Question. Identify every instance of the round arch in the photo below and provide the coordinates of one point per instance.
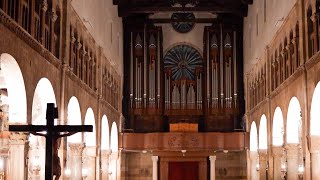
(43, 94)
(293, 121)
(74, 118)
(315, 112)
(12, 83)
(263, 133)
(105, 133)
(253, 137)
(90, 137)
(114, 137)
(277, 128)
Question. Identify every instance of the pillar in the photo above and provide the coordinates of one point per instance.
(263, 164)
(105, 154)
(314, 147)
(212, 167)
(75, 163)
(155, 167)
(113, 166)
(277, 153)
(17, 143)
(293, 161)
(89, 160)
(254, 161)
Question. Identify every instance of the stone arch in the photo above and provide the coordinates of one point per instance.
(90, 137)
(277, 128)
(43, 94)
(114, 137)
(253, 137)
(315, 112)
(105, 133)
(293, 129)
(13, 88)
(74, 118)
(263, 133)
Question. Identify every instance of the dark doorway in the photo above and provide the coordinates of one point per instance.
(183, 171)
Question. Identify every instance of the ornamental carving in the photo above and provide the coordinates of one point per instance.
(183, 140)
(76, 149)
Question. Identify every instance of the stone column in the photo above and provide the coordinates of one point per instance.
(293, 161)
(105, 164)
(90, 162)
(253, 170)
(277, 153)
(155, 167)
(212, 167)
(76, 150)
(263, 164)
(113, 166)
(314, 147)
(17, 143)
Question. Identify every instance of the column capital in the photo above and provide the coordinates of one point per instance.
(90, 151)
(263, 155)
(106, 153)
(292, 150)
(17, 138)
(76, 148)
(277, 151)
(253, 155)
(212, 158)
(155, 158)
(314, 143)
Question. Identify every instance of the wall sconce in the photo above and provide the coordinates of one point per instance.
(300, 171)
(283, 171)
(258, 167)
(183, 152)
(36, 168)
(67, 173)
(84, 173)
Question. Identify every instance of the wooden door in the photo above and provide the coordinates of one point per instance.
(183, 171)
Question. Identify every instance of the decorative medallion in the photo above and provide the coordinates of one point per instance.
(182, 60)
(182, 22)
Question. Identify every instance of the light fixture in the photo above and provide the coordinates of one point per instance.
(258, 167)
(84, 173)
(67, 172)
(36, 168)
(144, 151)
(183, 152)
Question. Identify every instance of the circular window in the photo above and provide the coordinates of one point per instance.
(182, 60)
(182, 22)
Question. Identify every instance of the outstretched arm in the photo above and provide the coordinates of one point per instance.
(38, 134)
(66, 134)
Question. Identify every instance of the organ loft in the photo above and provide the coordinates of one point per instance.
(173, 89)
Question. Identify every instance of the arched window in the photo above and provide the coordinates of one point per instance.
(310, 33)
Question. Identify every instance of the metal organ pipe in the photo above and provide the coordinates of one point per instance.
(208, 69)
(158, 68)
(144, 68)
(235, 66)
(131, 69)
(221, 66)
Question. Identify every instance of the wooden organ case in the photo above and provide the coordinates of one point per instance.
(202, 90)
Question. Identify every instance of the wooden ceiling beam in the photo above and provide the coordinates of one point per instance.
(129, 10)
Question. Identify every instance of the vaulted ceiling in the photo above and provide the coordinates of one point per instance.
(134, 7)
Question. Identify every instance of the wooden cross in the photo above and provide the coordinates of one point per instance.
(52, 134)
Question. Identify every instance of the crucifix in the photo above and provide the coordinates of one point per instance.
(52, 134)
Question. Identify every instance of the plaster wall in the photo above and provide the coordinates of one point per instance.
(264, 18)
(101, 19)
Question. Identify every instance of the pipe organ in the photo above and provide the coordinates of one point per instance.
(182, 84)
